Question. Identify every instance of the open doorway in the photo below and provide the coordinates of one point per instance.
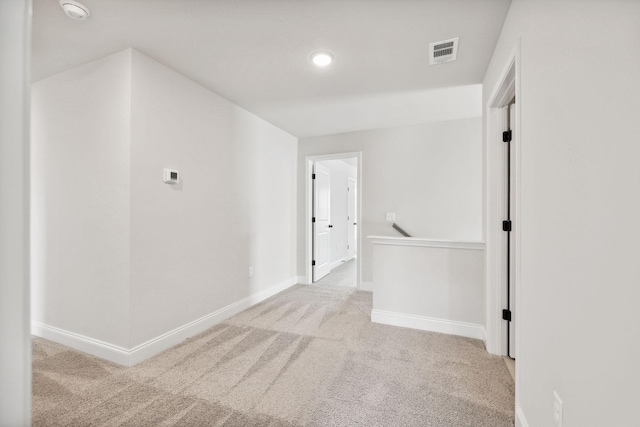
(333, 206)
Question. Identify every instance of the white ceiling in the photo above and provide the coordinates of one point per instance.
(256, 54)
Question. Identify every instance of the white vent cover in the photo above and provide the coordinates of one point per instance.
(444, 51)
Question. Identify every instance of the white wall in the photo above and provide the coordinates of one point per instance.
(15, 340)
(340, 173)
(429, 285)
(81, 201)
(429, 175)
(192, 244)
(123, 258)
(580, 145)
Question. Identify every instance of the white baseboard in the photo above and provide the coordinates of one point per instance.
(452, 327)
(302, 280)
(101, 349)
(163, 342)
(520, 419)
(366, 286)
(144, 351)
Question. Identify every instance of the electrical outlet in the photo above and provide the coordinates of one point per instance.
(557, 410)
(250, 271)
(391, 216)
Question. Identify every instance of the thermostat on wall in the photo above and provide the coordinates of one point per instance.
(170, 176)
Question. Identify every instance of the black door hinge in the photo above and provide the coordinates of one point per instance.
(313, 176)
(506, 136)
(506, 225)
(506, 315)
(313, 219)
(313, 262)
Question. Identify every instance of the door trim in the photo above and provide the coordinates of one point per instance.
(495, 197)
(309, 161)
(494, 184)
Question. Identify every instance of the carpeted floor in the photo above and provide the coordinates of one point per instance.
(307, 357)
(343, 275)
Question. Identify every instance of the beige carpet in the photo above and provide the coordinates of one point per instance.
(306, 357)
(344, 276)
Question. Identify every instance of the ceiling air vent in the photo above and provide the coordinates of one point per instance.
(444, 51)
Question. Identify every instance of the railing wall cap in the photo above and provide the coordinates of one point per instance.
(427, 243)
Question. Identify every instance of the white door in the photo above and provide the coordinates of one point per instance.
(321, 221)
(512, 234)
(351, 218)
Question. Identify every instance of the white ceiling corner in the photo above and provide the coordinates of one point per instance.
(256, 54)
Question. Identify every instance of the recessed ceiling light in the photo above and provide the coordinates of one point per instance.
(75, 10)
(322, 59)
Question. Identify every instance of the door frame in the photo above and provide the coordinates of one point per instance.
(309, 161)
(495, 199)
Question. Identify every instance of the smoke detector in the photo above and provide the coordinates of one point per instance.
(75, 10)
(444, 51)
